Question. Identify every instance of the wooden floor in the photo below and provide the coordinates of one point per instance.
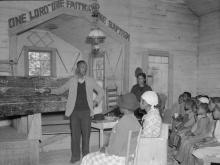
(62, 157)
(58, 157)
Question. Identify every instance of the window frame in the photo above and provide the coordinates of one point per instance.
(40, 49)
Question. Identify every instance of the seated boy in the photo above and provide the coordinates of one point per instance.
(115, 152)
(200, 131)
(184, 126)
(210, 146)
(175, 109)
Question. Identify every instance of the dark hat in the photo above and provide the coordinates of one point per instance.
(99, 117)
(128, 101)
(137, 71)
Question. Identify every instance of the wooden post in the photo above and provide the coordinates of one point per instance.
(13, 52)
(34, 126)
(20, 124)
(126, 68)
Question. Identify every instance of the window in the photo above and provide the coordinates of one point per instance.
(40, 61)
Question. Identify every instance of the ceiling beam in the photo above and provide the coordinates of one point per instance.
(203, 7)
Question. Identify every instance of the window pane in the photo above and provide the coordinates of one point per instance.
(44, 56)
(39, 63)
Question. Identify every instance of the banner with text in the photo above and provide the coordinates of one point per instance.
(46, 9)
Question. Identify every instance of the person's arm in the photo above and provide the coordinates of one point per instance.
(99, 91)
(179, 126)
(211, 142)
(133, 89)
(56, 91)
(190, 122)
(202, 125)
(118, 137)
(61, 89)
(152, 125)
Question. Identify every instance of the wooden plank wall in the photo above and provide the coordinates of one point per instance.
(8, 10)
(209, 55)
(165, 25)
(159, 25)
(20, 97)
(14, 8)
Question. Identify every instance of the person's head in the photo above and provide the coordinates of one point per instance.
(128, 103)
(204, 99)
(186, 96)
(194, 106)
(149, 100)
(189, 105)
(81, 68)
(216, 112)
(141, 79)
(213, 101)
(137, 71)
(211, 104)
(180, 99)
(203, 108)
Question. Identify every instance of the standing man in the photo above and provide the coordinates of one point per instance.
(79, 107)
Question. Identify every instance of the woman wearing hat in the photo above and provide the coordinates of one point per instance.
(152, 121)
(115, 152)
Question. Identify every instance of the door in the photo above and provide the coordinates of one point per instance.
(158, 70)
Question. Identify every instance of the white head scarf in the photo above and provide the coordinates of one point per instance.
(204, 100)
(151, 98)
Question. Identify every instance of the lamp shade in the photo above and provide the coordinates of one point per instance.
(96, 33)
(96, 36)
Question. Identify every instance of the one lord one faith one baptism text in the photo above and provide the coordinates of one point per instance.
(31, 15)
(46, 9)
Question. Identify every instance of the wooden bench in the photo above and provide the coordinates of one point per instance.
(16, 149)
(153, 150)
(211, 159)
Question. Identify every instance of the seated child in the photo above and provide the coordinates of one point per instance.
(199, 131)
(202, 125)
(176, 109)
(212, 106)
(115, 152)
(186, 96)
(183, 126)
(209, 146)
(204, 99)
(152, 121)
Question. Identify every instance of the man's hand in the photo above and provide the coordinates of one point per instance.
(179, 126)
(4, 89)
(189, 133)
(43, 90)
(95, 104)
(198, 145)
(102, 150)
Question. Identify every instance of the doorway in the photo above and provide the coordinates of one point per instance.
(159, 68)
(158, 71)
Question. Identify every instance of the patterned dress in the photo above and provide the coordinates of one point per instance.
(201, 153)
(152, 123)
(184, 155)
(116, 150)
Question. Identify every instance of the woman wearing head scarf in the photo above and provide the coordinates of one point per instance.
(115, 152)
(152, 121)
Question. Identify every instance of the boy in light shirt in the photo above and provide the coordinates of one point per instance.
(210, 146)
